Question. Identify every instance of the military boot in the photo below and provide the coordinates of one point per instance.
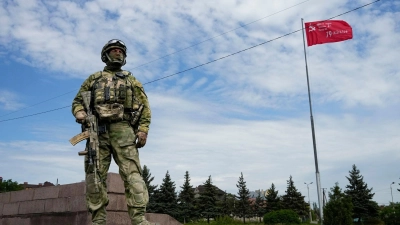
(137, 215)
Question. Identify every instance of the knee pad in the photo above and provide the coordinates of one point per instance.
(136, 191)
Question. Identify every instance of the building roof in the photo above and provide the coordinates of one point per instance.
(25, 185)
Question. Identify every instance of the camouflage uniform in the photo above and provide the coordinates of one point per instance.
(118, 142)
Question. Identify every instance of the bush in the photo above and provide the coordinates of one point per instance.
(284, 216)
(391, 214)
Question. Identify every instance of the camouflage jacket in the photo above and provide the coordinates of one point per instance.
(137, 89)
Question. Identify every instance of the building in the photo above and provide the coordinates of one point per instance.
(27, 186)
(256, 193)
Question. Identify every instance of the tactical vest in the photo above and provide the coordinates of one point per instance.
(113, 95)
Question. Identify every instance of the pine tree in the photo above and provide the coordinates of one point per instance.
(243, 197)
(259, 206)
(208, 201)
(227, 204)
(361, 196)
(151, 188)
(166, 198)
(186, 199)
(338, 211)
(273, 201)
(294, 200)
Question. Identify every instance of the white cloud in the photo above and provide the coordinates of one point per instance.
(9, 100)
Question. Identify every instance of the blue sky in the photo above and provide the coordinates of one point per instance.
(245, 113)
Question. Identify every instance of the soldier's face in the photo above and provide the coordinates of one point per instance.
(116, 53)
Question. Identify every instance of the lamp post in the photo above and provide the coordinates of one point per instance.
(308, 189)
(391, 192)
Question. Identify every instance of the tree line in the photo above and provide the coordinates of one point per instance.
(185, 206)
(353, 204)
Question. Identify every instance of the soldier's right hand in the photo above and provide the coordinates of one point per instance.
(80, 116)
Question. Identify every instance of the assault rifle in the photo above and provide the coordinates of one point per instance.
(90, 132)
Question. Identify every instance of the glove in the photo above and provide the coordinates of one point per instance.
(80, 116)
(141, 139)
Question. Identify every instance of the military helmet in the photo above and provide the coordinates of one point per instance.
(113, 43)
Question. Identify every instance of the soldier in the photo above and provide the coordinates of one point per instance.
(117, 97)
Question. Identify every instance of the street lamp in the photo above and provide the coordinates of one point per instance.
(308, 189)
(391, 192)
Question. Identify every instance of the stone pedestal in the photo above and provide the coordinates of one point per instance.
(65, 205)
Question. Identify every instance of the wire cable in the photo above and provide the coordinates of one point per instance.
(36, 104)
(51, 110)
(217, 36)
(274, 39)
(221, 34)
(192, 68)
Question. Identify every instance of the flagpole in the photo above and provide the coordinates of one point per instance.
(313, 134)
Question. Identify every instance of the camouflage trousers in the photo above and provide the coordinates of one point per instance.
(118, 142)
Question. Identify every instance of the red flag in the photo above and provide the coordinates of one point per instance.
(327, 31)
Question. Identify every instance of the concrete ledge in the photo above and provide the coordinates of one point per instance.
(56, 205)
(162, 219)
(30, 207)
(46, 192)
(14, 221)
(75, 189)
(5, 197)
(20, 196)
(66, 205)
(117, 203)
(82, 218)
(115, 183)
(10, 209)
(77, 204)
(118, 218)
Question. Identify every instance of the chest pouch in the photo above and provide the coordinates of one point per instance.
(110, 112)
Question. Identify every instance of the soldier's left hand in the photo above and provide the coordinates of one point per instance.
(141, 139)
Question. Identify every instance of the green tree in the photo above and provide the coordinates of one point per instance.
(259, 206)
(227, 204)
(243, 199)
(361, 196)
(9, 185)
(166, 200)
(391, 214)
(151, 188)
(315, 211)
(208, 201)
(294, 200)
(273, 201)
(186, 199)
(338, 211)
